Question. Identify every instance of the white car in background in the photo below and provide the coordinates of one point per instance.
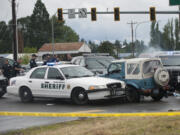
(64, 81)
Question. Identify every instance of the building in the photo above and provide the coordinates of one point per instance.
(64, 48)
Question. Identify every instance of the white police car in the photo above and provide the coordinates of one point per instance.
(64, 81)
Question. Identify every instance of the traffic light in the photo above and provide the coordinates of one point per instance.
(152, 12)
(93, 14)
(60, 14)
(116, 14)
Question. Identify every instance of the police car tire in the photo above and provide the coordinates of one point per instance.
(25, 95)
(75, 96)
(132, 94)
(159, 96)
(3, 92)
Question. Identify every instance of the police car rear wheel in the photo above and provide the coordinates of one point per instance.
(25, 95)
(132, 94)
(79, 97)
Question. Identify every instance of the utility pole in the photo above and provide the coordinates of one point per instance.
(132, 36)
(14, 30)
(179, 19)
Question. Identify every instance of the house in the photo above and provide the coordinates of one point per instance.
(64, 48)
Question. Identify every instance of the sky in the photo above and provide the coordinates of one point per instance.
(105, 28)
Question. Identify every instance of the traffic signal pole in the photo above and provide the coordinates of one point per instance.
(14, 25)
(132, 12)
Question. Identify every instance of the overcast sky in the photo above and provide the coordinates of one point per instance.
(104, 28)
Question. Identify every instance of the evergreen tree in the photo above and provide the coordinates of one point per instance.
(152, 35)
(93, 46)
(106, 47)
(117, 45)
(40, 28)
(177, 34)
(63, 33)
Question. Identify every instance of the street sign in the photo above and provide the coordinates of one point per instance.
(82, 13)
(71, 13)
(174, 2)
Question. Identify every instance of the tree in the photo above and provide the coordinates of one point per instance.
(5, 37)
(93, 47)
(24, 24)
(140, 47)
(63, 33)
(167, 36)
(40, 26)
(152, 34)
(155, 36)
(117, 45)
(106, 47)
(177, 34)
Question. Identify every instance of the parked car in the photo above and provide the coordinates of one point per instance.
(171, 62)
(64, 81)
(97, 63)
(143, 76)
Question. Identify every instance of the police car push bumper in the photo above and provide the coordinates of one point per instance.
(104, 93)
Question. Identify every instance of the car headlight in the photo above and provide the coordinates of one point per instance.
(94, 87)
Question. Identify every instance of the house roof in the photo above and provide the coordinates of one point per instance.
(61, 46)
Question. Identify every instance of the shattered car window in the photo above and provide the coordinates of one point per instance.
(133, 69)
(149, 66)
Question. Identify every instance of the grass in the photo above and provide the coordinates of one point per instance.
(109, 126)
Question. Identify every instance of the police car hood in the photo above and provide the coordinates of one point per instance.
(94, 80)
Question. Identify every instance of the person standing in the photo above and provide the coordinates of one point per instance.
(47, 59)
(17, 67)
(33, 61)
(7, 69)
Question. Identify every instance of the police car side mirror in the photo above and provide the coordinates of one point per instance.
(60, 77)
(86, 66)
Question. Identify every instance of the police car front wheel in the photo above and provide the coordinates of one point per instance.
(79, 96)
(25, 95)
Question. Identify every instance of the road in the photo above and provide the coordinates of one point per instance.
(13, 104)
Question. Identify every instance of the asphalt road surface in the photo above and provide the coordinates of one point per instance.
(13, 104)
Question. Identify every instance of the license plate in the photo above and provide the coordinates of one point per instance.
(178, 79)
(118, 93)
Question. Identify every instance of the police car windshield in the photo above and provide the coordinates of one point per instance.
(76, 72)
(170, 60)
(98, 63)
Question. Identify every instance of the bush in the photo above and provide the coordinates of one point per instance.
(25, 59)
(30, 50)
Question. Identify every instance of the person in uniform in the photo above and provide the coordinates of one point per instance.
(33, 61)
(7, 69)
(47, 59)
(17, 67)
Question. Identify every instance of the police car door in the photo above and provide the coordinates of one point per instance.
(37, 78)
(56, 83)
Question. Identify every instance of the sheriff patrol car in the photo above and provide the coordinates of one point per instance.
(64, 81)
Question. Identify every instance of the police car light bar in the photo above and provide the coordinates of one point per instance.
(53, 63)
(96, 54)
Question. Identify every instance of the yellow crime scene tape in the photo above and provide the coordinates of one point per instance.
(44, 114)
